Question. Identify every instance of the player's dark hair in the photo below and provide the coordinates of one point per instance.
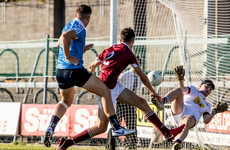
(127, 34)
(83, 11)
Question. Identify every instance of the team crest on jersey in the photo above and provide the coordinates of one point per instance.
(198, 101)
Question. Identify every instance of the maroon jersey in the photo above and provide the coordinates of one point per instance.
(114, 60)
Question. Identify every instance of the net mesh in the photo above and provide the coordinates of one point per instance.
(168, 33)
(203, 36)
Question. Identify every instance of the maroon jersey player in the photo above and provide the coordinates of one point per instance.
(113, 61)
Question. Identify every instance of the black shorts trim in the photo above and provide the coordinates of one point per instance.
(67, 78)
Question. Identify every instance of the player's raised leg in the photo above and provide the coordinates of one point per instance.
(131, 98)
(95, 85)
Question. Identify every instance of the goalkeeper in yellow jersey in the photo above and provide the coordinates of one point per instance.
(189, 104)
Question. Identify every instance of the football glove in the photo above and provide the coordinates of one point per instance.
(159, 105)
(180, 72)
(220, 107)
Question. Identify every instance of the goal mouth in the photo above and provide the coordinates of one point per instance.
(168, 33)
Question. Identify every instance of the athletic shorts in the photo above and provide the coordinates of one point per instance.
(186, 112)
(115, 92)
(67, 78)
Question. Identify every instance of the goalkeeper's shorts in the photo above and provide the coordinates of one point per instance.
(187, 111)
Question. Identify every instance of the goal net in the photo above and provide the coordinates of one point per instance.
(195, 34)
(202, 30)
(168, 33)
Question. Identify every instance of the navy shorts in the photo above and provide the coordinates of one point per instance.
(67, 78)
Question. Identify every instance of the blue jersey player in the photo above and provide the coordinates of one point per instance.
(71, 72)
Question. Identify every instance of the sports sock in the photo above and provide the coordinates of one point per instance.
(53, 122)
(152, 117)
(165, 99)
(84, 135)
(113, 121)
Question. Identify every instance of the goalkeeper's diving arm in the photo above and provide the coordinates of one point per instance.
(219, 108)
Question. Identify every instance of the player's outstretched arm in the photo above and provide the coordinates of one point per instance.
(219, 108)
(146, 82)
(180, 72)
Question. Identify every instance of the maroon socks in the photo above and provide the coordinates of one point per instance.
(152, 117)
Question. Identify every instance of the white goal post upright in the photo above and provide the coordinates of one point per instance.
(113, 22)
(113, 25)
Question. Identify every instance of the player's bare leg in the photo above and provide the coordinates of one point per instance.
(100, 127)
(59, 111)
(176, 96)
(102, 123)
(95, 85)
(67, 98)
(189, 122)
(131, 98)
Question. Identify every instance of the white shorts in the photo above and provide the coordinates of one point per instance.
(186, 112)
(115, 92)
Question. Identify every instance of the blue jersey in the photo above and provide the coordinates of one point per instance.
(76, 46)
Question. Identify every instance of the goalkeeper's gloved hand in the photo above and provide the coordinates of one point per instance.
(220, 107)
(180, 72)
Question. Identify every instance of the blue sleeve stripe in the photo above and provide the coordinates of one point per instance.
(78, 30)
